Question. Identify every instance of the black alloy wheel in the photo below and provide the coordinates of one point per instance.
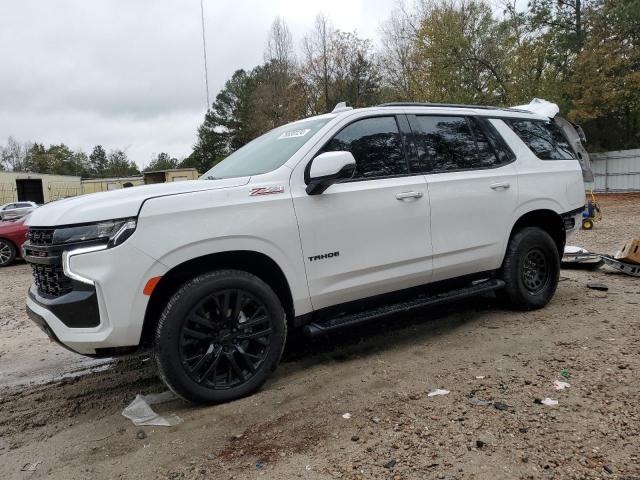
(225, 339)
(530, 270)
(535, 271)
(220, 336)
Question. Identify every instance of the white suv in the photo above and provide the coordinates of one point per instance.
(321, 224)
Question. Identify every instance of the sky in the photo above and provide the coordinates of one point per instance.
(129, 74)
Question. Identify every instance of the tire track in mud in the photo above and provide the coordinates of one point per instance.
(39, 411)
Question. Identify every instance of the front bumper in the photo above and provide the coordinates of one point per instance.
(104, 316)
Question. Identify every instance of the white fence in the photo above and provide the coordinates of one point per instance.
(616, 171)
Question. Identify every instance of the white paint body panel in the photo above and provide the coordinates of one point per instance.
(450, 224)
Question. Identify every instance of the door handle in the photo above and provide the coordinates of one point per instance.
(405, 195)
(500, 185)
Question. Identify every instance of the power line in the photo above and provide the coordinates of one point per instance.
(204, 52)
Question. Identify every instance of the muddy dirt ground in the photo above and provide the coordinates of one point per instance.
(60, 414)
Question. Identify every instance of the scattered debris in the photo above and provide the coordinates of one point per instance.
(375, 420)
(480, 443)
(259, 465)
(597, 286)
(438, 392)
(479, 377)
(476, 401)
(560, 385)
(355, 438)
(140, 412)
(546, 401)
(390, 464)
(500, 406)
(30, 467)
(607, 468)
(523, 430)
(565, 373)
(141, 435)
(346, 416)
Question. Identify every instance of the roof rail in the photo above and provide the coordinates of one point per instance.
(448, 105)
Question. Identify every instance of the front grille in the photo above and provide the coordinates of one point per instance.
(40, 236)
(51, 280)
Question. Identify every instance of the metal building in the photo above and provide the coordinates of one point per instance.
(37, 187)
(617, 171)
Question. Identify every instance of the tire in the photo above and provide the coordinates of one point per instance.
(7, 253)
(531, 269)
(587, 224)
(207, 352)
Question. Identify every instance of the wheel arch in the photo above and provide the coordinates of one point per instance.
(256, 263)
(546, 219)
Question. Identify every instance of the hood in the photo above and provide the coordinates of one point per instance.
(121, 203)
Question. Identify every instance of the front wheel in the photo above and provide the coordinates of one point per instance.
(7, 253)
(220, 337)
(531, 269)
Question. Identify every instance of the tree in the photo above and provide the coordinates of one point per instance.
(38, 159)
(605, 87)
(163, 161)
(338, 66)
(13, 155)
(120, 166)
(98, 161)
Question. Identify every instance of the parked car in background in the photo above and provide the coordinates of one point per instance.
(13, 234)
(16, 209)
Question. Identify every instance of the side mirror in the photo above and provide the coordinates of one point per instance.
(329, 168)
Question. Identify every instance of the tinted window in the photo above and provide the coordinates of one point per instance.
(24, 205)
(375, 144)
(443, 144)
(545, 139)
(492, 149)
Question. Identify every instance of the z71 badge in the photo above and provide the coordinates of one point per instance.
(266, 190)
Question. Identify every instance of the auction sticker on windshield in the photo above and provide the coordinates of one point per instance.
(294, 133)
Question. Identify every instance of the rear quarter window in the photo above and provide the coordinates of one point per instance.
(544, 139)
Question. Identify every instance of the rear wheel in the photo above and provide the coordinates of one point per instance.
(531, 269)
(587, 224)
(220, 337)
(7, 252)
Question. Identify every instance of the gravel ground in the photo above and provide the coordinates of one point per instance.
(62, 412)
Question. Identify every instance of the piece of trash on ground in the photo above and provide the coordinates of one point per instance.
(346, 416)
(597, 286)
(140, 412)
(476, 401)
(500, 406)
(390, 464)
(30, 467)
(437, 392)
(560, 385)
(565, 373)
(259, 465)
(479, 377)
(546, 401)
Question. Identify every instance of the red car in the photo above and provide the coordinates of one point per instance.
(13, 234)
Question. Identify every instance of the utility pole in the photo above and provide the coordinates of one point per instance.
(204, 51)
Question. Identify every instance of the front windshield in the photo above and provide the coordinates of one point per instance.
(267, 152)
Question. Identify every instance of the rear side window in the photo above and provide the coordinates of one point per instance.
(449, 143)
(375, 144)
(544, 139)
(443, 143)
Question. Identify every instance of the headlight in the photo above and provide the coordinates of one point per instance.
(114, 232)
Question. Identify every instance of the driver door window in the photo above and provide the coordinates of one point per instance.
(375, 144)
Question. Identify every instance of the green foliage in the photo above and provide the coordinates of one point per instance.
(163, 161)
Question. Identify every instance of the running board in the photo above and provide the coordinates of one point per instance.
(318, 328)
